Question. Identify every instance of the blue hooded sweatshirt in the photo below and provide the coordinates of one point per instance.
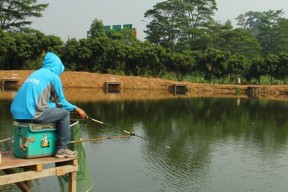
(42, 89)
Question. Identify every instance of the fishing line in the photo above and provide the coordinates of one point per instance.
(130, 133)
(100, 138)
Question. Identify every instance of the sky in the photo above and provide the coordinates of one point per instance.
(73, 18)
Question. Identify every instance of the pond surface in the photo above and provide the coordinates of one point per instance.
(217, 144)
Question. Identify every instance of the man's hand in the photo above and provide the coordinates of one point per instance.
(81, 113)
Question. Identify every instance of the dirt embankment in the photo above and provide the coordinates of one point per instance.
(129, 83)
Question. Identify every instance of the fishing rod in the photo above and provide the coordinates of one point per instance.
(127, 132)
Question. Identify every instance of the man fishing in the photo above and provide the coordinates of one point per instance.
(41, 100)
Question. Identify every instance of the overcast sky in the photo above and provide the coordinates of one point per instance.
(72, 18)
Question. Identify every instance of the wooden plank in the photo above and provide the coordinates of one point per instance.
(10, 161)
(23, 186)
(72, 181)
(113, 83)
(74, 162)
(33, 169)
(10, 79)
(38, 168)
(30, 175)
(59, 171)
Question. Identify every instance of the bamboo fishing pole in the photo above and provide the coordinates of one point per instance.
(127, 132)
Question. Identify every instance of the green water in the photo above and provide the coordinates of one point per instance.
(217, 144)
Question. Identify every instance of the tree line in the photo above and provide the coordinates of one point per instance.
(183, 42)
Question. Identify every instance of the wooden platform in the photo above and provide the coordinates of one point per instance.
(112, 86)
(253, 91)
(10, 82)
(33, 169)
(179, 89)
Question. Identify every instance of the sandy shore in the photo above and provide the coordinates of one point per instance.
(149, 87)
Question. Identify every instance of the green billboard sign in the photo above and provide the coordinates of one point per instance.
(116, 28)
(107, 28)
(127, 26)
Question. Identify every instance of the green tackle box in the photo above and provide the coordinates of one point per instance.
(34, 140)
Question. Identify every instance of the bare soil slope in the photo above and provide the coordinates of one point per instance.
(95, 80)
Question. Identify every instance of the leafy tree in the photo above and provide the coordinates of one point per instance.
(96, 29)
(282, 67)
(14, 13)
(237, 66)
(216, 31)
(281, 37)
(269, 27)
(268, 36)
(99, 48)
(22, 53)
(53, 43)
(115, 57)
(84, 55)
(195, 21)
(238, 41)
(70, 54)
(25, 49)
(182, 64)
(256, 69)
(251, 21)
(213, 63)
(164, 29)
(270, 67)
(135, 60)
(127, 36)
(7, 45)
(37, 42)
(156, 58)
(175, 21)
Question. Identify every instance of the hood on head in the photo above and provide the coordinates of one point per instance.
(54, 63)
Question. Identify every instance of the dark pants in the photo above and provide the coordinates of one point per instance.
(62, 119)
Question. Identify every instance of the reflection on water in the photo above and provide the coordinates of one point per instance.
(217, 144)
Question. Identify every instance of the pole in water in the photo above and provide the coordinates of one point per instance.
(127, 132)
